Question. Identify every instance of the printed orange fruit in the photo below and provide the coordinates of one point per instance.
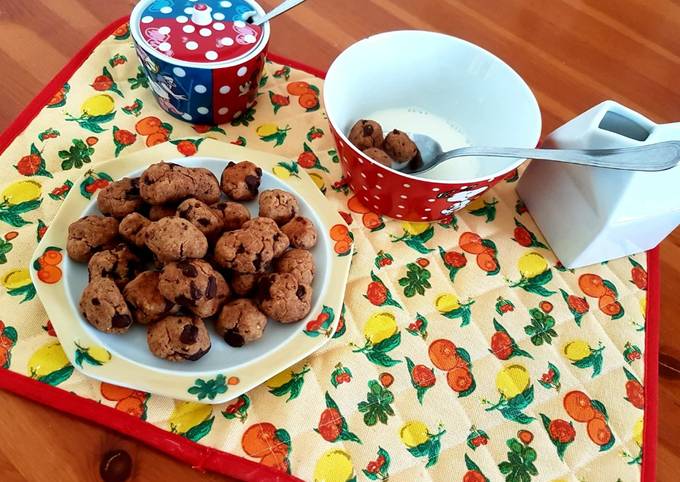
(609, 306)
(309, 100)
(342, 246)
(257, 439)
(51, 257)
(354, 205)
(298, 88)
(338, 232)
(592, 285)
(487, 262)
(578, 406)
(599, 431)
(443, 354)
(471, 243)
(148, 125)
(114, 392)
(132, 406)
(459, 379)
(275, 460)
(156, 138)
(49, 274)
(386, 379)
(371, 220)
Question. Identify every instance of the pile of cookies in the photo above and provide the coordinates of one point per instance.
(170, 254)
(394, 148)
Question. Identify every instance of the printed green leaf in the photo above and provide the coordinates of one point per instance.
(199, 431)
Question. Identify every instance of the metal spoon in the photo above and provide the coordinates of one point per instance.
(651, 157)
(276, 11)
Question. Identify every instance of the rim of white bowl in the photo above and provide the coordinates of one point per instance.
(361, 43)
(142, 43)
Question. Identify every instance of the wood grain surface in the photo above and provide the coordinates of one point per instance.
(573, 54)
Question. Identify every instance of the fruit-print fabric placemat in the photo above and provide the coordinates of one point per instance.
(466, 352)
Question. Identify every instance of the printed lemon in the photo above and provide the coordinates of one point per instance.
(643, 307)
(16, 278)
(280, 379)
(577, 350)
(187, 415)
(446, 303)
(281, 172)
(532, 264)
(413, 433)
(97, 105)
(379, 327)
(414, 229)
(637, 431)
(318, 180)
(22, 191)
(99, 353)
(512, 380)
(267, 130)
(334, 466)
(476, 204)
(47, 359)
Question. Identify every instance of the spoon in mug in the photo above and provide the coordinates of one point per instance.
(651, 157)
(275, 12)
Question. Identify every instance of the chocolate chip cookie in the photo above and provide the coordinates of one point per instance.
(173, 239)
(282, 298)
(241, 181)
(120, 198)
(251, 249)
(103, 306)
(279, 205)
(240, 322)
(234, 214)
(146, 302)
(118, 263)
(178, 338)
(243, 284)
(365, 134)
(299, 263)
(269, 230)
(89, 235)
(195, 285)
(206, 219)
(167, 183)
(301, 232)
(160, 211)
(132, 227)
(399, 146)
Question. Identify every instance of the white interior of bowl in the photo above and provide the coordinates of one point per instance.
(221, 358)
(470, 88)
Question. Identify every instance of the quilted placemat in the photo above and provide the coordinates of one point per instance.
(466, 351)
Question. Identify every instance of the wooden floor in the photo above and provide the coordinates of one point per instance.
(573, 53)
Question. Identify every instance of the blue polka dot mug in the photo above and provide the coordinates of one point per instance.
(203, 58)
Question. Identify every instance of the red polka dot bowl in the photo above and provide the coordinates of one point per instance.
(203, 59)
(434, 84)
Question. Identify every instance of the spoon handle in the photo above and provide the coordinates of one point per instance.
(278, 10)
(651, 157)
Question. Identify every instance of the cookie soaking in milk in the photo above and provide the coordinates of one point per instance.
(204, 60)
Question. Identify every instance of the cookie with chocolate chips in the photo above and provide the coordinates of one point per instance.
(195, 285)
(173, 239)
(207, 220)
(104, 307)
(167, 183)
(283, 298)
(178, 338)
(365, 134)
(233, 214)
(252, 248)
(118, 263)
(145, 300)
(241, 180)
(301, 232)
(120, 198)
(240, 322)
(89, 235)
(299, 263)
(132, 227)
(279, 205)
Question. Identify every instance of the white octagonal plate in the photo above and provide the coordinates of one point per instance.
(224, 372)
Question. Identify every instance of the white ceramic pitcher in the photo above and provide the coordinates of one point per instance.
(590, 215)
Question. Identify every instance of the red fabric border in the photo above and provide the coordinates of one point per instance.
(205, 458)
(651, 382)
